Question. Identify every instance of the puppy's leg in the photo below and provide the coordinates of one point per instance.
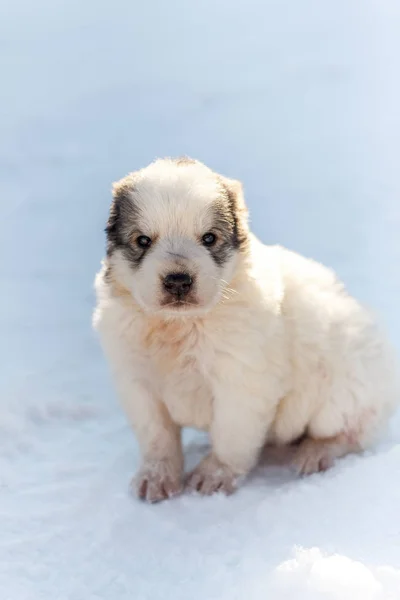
(160, 475)
(238, 433)
(313, 455)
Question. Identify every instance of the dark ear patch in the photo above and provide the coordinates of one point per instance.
(237, 209)
(121, 221)
(112, 228)
(230, 221)
(121, 206)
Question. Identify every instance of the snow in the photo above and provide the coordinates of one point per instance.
(300, 101)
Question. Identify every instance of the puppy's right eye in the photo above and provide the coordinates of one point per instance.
(143, 241)
(209, 239)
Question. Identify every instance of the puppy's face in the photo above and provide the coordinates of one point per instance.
(174, 234)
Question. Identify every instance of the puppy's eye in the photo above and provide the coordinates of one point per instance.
(209, 239)
(143, 241)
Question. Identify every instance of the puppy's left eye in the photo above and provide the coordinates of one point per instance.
(143, 241)
(209, 239)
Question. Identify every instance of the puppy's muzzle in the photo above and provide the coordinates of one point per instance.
(177, 284)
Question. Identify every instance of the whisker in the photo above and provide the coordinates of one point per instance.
(226, 285)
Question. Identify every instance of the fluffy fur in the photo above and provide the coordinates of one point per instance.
(265, 347)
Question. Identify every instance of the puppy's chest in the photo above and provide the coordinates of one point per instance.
(181, 359)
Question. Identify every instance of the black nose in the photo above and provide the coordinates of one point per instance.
(178, 284)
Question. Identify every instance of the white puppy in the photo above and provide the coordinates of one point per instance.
(206, 327)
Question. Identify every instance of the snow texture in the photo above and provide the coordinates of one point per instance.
(300, 100)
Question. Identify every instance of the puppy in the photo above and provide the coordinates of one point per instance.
(206, 327)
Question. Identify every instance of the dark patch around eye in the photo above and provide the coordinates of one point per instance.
(134, 254)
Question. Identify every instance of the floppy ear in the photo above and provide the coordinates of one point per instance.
(234, 192)
(122, 189)
(234, 189)
(121, 207)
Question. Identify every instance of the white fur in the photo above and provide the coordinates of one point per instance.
(287, 352)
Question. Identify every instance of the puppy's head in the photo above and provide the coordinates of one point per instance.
(174, 235)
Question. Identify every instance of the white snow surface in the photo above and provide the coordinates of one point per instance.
(299, 99)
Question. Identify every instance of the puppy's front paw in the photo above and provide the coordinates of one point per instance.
(158, 481)
(313, 456)
(211, 476)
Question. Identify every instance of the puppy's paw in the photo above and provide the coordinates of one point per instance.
(211, 476)
(313, 456)
(158, 480)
